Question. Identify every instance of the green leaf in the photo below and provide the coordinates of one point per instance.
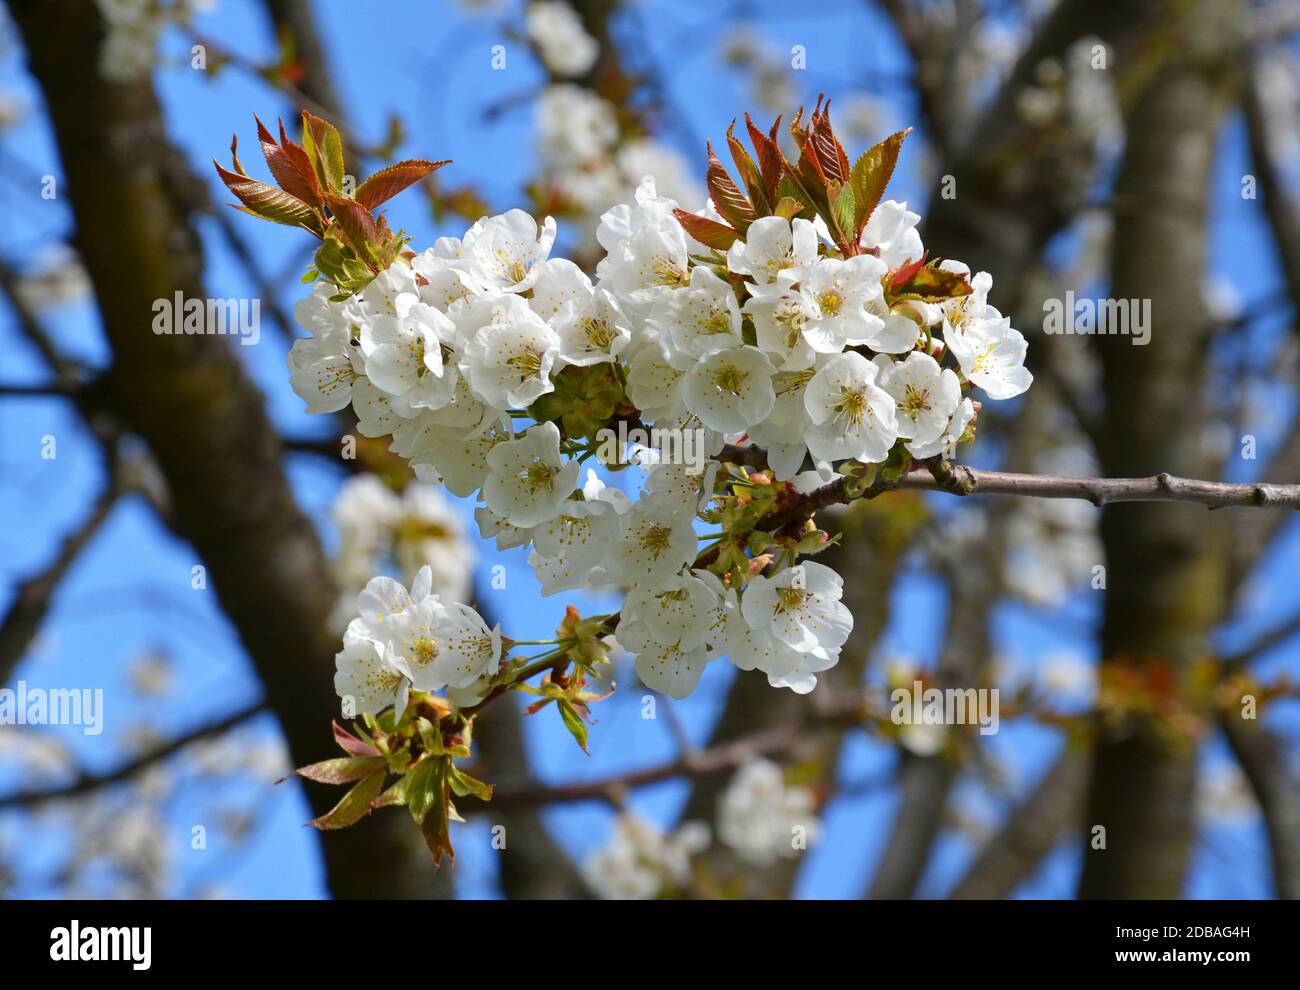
(355, 804)
(425, 786)
(343, 770)
(463, 785)
(871, 174)
(574, 723)
(324, 148)
(789, 207)
(843, 206)
(388, 182)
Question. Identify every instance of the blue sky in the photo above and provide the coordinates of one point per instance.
(131, 592)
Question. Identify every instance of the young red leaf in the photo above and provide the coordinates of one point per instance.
(298, 157)
(749, 174)
(269, 202)
(834, 163)
(351, 744)
(283, 168)
(904, 272)
(708, 232)
(357, 224)
(929, 283)
(727, 197)
(388, 182)
(769, 156)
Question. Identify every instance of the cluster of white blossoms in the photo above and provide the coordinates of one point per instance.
(760, 817)
(476, 356)
(134, 28)
(404, 640)
(641, 861)
(562, 43)
(763, 819)
(588, 164)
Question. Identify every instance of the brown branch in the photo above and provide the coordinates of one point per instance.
(1263, 758)
(716, 759)
(32, 601)
(1281, 208)
(87, 782)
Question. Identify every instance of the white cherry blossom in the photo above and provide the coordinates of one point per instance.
(528, 481)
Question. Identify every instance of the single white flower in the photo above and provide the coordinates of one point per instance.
(698, 320)
(838, 295)
(657, 540)
(891, 230)
(588, 321)
(505, 252)
(665, 667)
(678, 610)
(801, 607)
(992, 356)
(404, 355)
(564, 45)
(731, 391)
(954, 433)
(367, 677)
(528, 481)
(762, 818)
(852, 417)
(926, 394)
(780, 312)
(572, 546)
(773, 245)
(509, 357)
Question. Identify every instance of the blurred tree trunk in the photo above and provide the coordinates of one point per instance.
(1165, 565)
(203, 418)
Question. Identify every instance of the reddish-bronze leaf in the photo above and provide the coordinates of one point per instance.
(727, 197)
(354, 805)
(830, 156)
(297, 155)
(357, 224)
(749, 174)
(283, 168)
(351, 744)
(706, 231)
(341, 770)
(269, 202)
(929, 283)
(769, 156)
(388, 182)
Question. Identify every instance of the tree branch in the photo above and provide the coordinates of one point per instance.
(86, 782)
